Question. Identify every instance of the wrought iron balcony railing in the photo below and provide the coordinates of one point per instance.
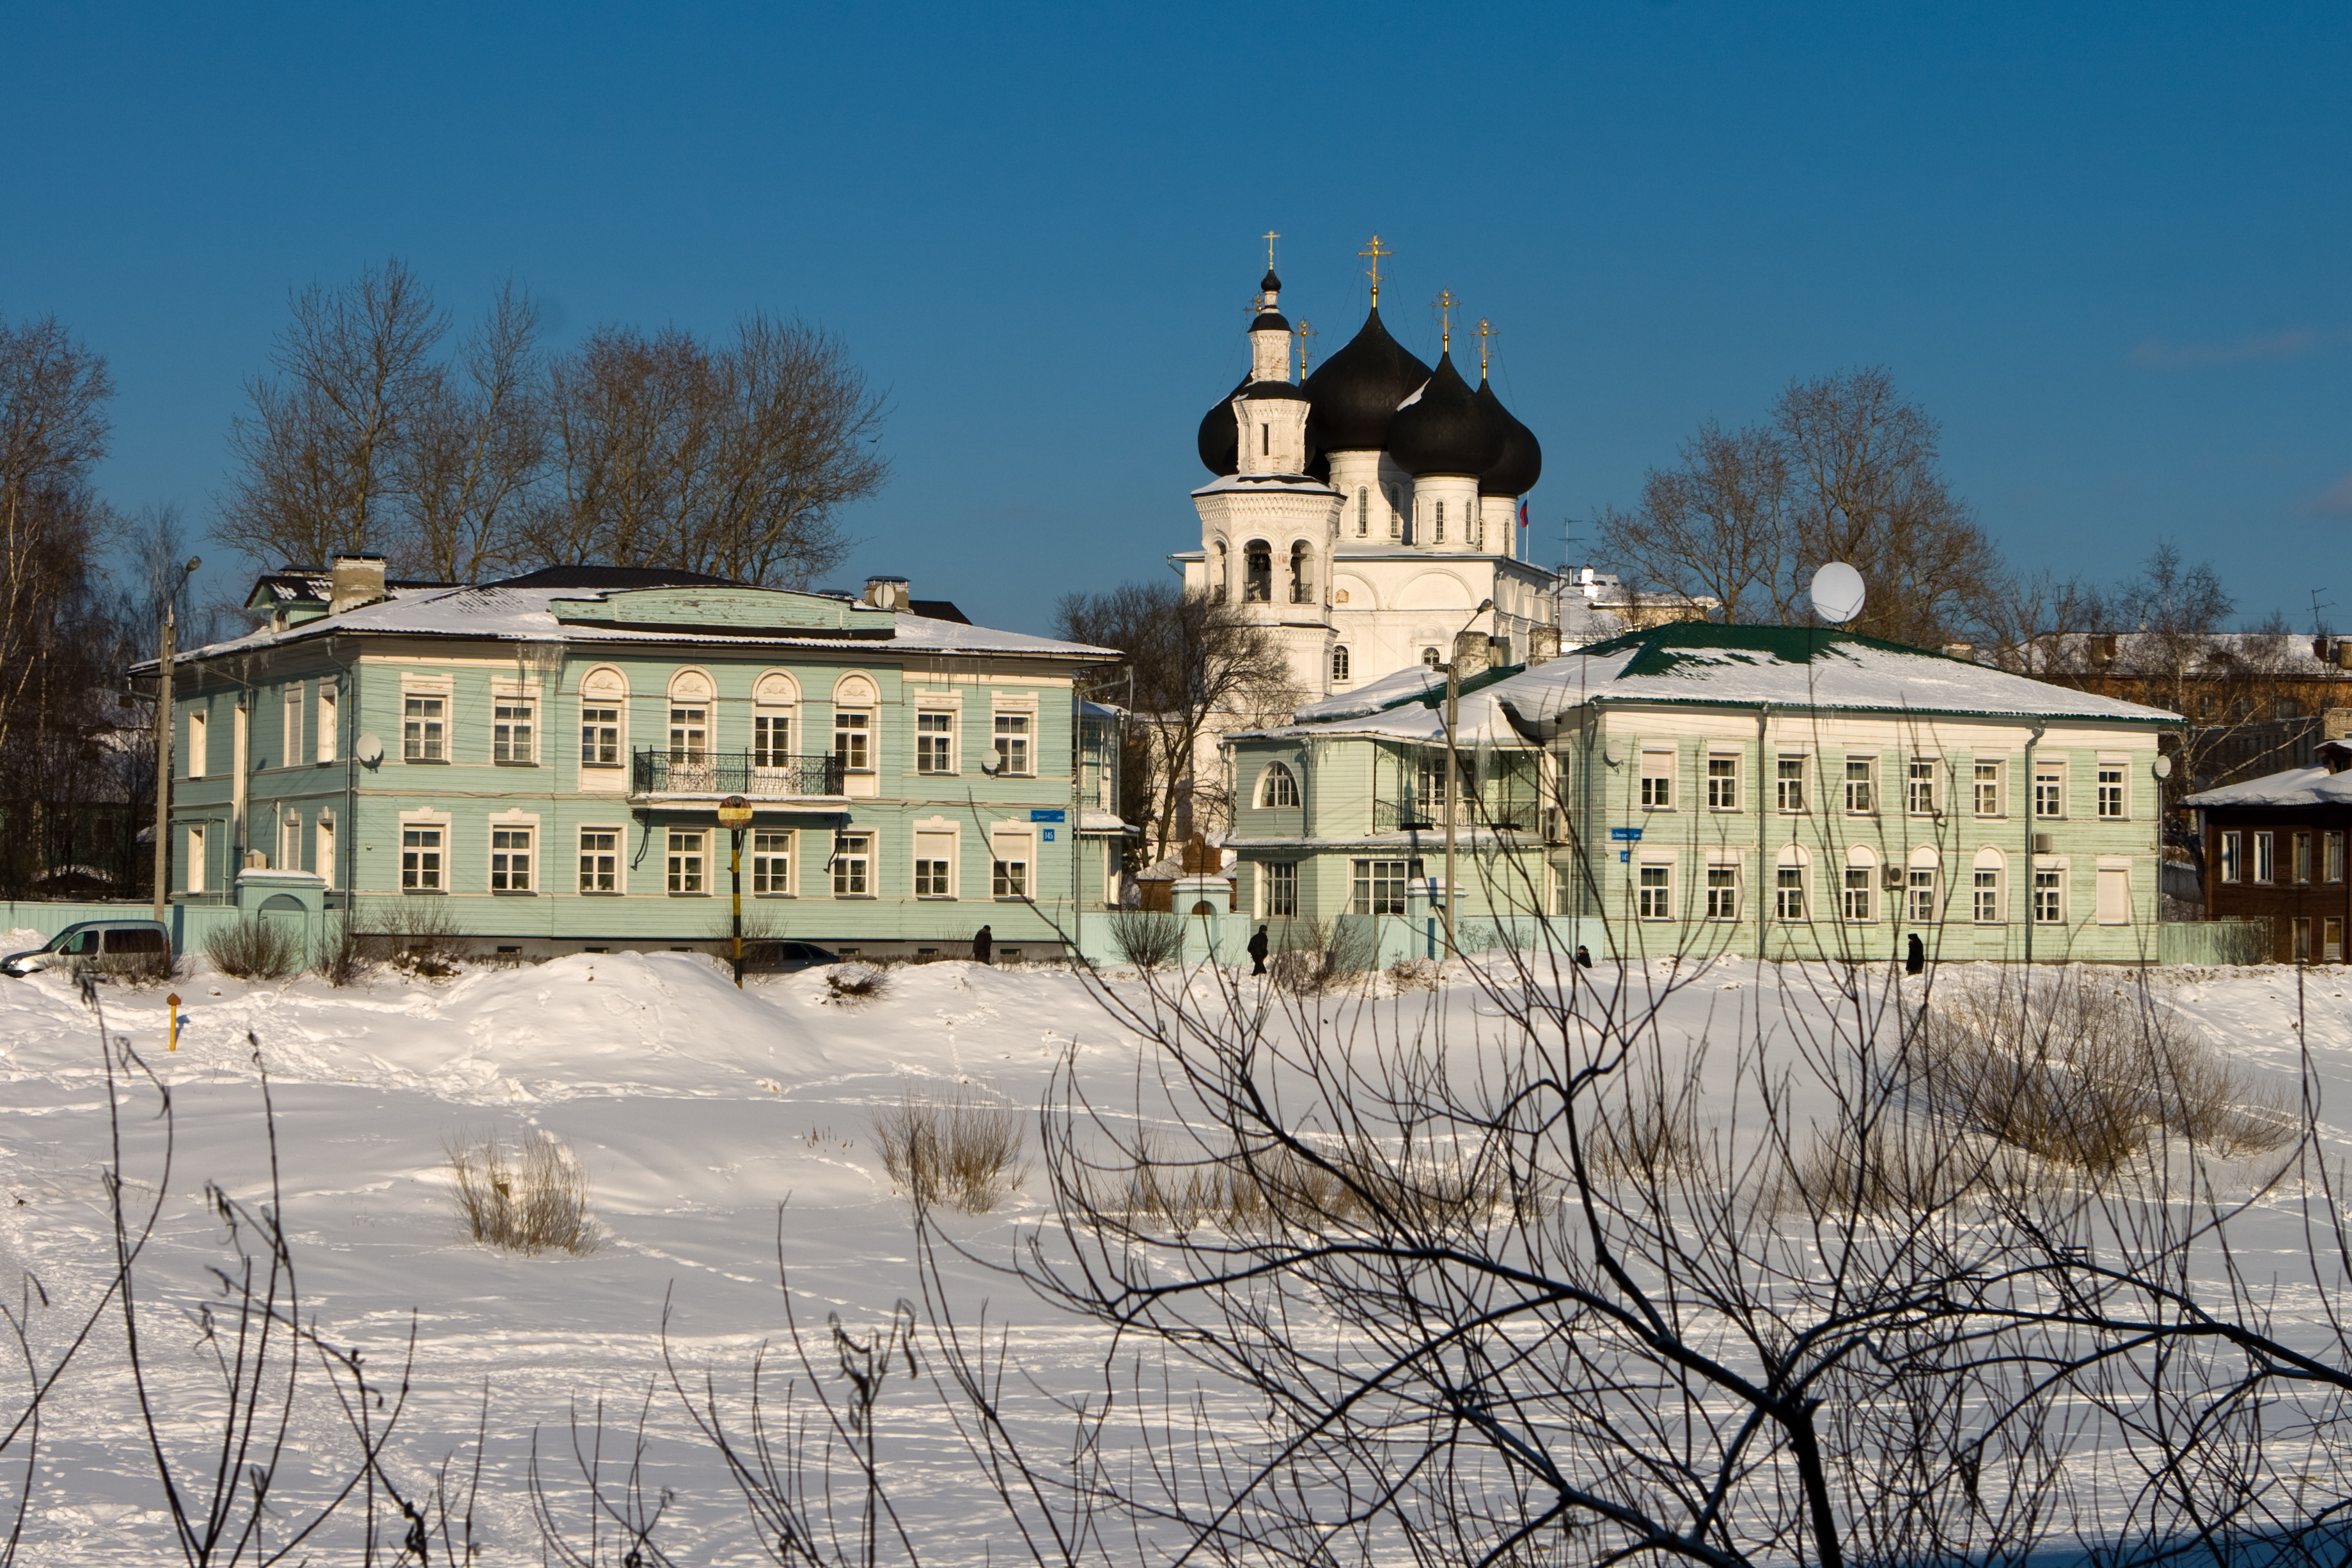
(755, 775)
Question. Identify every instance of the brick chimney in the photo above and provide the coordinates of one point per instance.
(1472, 653)
(354, 581)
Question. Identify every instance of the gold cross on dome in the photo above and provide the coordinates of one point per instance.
(1305, 331)
(1485, 346)
(1269, 236)
(1376, 250)
(1445, 301)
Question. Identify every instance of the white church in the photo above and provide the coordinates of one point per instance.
(1365, 513)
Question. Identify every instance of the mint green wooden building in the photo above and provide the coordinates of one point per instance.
(1699, 789)
(537, 765)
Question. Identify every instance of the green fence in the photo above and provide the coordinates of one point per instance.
(2213, 942)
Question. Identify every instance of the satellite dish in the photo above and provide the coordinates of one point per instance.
(2162, 767)
(1837, 592)
(370, 750)
(1613, 753)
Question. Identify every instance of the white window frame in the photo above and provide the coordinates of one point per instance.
(593, 731)
(1368, 880)
(1922, 901)
(2265, 862)
(852, 740)
(2049, 790)
(1279, 882)
(2050, 881)
(2232, 865)
(1988, 787)
(1656, 782)
(851, 866)
(1723, 792)
(1988, 890)
(1919, 786)
(937, 845)
(290, 841)
(1653, 890)
(323, 846)
(686, 860)
(503, 723)
(290, 740)
(192, 877)
(503, 869)
(936, 752)
(417, 877)
(1273, 781)
(1860, 790)
(1003, 884)
(585, 855)
(1789, 791)
(1013, 733)
(327, 741)
(2111, 779)
(1722, 890)
(1342, 663)
(200, 727)
(1858, 892)
(425, 727)
(768, 845)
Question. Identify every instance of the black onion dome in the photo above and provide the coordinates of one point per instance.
(1270, 283)
(1356, 390)
(1270, 321)
(1444, 429)
(1221, 434)
(1521, 464)
(1271, 389)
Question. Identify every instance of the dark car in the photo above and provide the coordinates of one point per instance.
(89, 939)
(785, 957)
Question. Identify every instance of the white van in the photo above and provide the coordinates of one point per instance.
(89, 939)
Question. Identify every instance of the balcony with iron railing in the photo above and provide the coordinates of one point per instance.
(754, 775)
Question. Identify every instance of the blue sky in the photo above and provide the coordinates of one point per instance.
(2109, 248)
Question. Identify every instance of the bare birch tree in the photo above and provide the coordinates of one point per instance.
(478, 449)
(1717, 526)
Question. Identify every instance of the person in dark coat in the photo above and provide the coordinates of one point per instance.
(1257, 946)
(1584, 958)
(1914, 956)
(980, 945)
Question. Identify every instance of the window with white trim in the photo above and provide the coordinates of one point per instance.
(510, 860)
(935, 751)
(1985, 900)
(1012, 744)
(1921, 887)
(1861, 785)
(420, 860)
(2301, 861)
(1657, 780)
(2229, 856)
(2265, 859)
(1788, 784)
(935, 859)
(1859, 892)
(689, 734)
(1009, 876)
(1919, 798)
(1723, 784)
(328, 734)
(290, 743)
(772, 863)
(853, 864)
(1986, 786)
(290, 842)
(1653, 892)
(1281, 889)
(600, 736)
(1722, 892)
(600, 860)
(511, 731)
(852, 735)
(686, 864)
(2333, 844)
(1788, 893)
(424, 723)
(2049, 896)
(1381, 886)
(1339, 666)
(194, 877)
(771, 740)
(2114, 803)
(1276, 786)
(2049, 790)
(199, 733)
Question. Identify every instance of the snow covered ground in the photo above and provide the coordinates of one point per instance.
(698, 1110)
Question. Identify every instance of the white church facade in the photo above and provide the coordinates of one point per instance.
(1365, 512)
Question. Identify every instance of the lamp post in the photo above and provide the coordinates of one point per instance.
(735, 815)
(163, 740)
(1452, 767)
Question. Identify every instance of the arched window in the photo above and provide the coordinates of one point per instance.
(1477, 528)
(1363, 510)
(1277, 786)
(1789, 885)
(1429, 657)
(1257, 572)
(1859, 897)
(1221, 583)
(1988, 899)
(1396, 516)
(1339, 675)
(1302, 574)
(1922, 892)
(1440, 522)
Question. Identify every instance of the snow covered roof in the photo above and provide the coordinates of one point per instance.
(512, 612)
(2294, 786)
(1701, 665)
(1257, 484)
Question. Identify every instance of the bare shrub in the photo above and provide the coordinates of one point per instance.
(1317, 956)
(132, 968)
(2077, 1070)
(530, 1197)
(1148, 939)
(856, 985)
(342, 958)
(1647, 1133)
(1274, 1188)
(1415, 973)
(418, 935)
(1890, 1173)
(963, 1149)
(255, 949)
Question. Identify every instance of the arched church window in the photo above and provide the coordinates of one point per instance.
(1340, 664)
(1302, 575)
(1440, 522)
(1363, 510)
(1396, 517)
(1257, 572)
(1429, 657)
(1276, 786)
(1478, 529)
(1221, 582)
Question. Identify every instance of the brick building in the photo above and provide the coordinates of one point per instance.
(2275, 850)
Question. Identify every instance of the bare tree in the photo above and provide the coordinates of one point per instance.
(324, 458)
(1717, 526)
(478, 449)
(1199, 668)
(733, 460)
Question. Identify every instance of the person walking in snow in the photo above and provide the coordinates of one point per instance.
(1914, 956)
(1257, 946)
(980, 945)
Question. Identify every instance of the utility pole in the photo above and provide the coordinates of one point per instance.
(735, 814)
(1454, 769)
(164, 742)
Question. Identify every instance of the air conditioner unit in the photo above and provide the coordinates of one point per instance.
(1555, 824)
(2045, 844)
(1891, 874)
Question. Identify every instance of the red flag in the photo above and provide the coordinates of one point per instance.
(1523, 514)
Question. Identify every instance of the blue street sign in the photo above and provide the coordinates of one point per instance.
(1049, 836)
(1626, 834)
(1056, 815)
(1624, 857)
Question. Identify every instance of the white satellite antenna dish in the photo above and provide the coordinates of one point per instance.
(1837, 592)
(369, 750)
